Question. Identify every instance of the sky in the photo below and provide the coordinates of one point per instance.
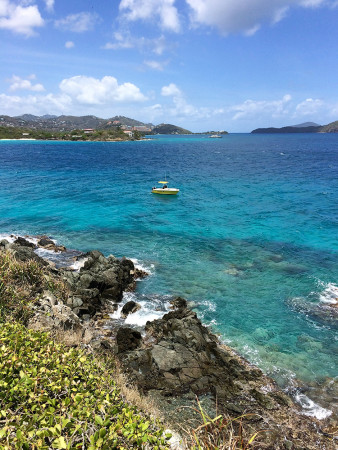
(232, 65)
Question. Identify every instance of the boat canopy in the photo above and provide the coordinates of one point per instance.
(163, 182)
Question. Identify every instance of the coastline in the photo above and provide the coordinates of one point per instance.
(73, 140)
(175, 375)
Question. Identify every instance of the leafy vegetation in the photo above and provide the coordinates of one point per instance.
(22, 133)
(67, 123)
(57, 397)
(167, 128)
(53, 396)
(110, 134)
(330, 128)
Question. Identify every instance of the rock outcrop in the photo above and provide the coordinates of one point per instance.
(174, 359)
(130, 308)
(49, 244)
(99, 281)
(91, 291)
(24, 251)
(179, 357)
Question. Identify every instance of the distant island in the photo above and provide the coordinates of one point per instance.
(166, 128)
(83, 128)
(307, 127)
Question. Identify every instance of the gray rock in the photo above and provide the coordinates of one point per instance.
(26, 253)
(64, 317)
(4, 244)
(48, 244)
(180, 355)
(77, 302)
(178, 302)
(20, 241)
(44, 241)
(130, 308)
(98, 281)
(127, 339)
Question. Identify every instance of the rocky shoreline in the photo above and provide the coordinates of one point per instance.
(172, 360)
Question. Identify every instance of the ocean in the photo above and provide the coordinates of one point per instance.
(251, 240)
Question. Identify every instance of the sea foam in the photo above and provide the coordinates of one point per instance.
(310, 408)
(329, 294)
(152, 308)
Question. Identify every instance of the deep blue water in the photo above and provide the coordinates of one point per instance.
(251, 238)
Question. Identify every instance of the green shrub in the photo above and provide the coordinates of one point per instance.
(52, 396)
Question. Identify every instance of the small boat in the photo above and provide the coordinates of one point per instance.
(164, 189)
(215, 136)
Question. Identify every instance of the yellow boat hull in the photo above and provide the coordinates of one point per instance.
(166, 191)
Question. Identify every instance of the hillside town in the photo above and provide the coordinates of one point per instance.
(50, 127)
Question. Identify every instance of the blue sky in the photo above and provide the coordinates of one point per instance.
(201, 64)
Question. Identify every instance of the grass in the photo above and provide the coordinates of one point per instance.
(21, 284)
(17, 280)
(222, 433)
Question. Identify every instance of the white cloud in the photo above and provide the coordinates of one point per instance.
(181, 109)
(18, 83)
(116, 46)
(311, 3)
(156, 65)
(122, 41)
(19, 19)
(78, 23)
(184, 109)
(251, 108)
(308, 107)
(69, 44)
(171, 90)
(92, 91)
(126, 41)
(153, 113)
(159, 45)
(151, 10)
(77, 95)
(4, 7)
(246, 16)
(35, 104)
(49, 5)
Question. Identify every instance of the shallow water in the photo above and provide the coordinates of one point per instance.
(251, 238)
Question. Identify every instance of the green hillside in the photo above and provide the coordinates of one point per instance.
(167, 128)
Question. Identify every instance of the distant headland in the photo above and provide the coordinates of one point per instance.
(307, 127)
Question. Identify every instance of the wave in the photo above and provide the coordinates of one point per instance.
(329, 294)
(152, 307)
(288, 382)
(78, 264)
(12, 237)
(310, 408)
(145, 267)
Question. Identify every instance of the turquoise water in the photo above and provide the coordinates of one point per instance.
(251, 238)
